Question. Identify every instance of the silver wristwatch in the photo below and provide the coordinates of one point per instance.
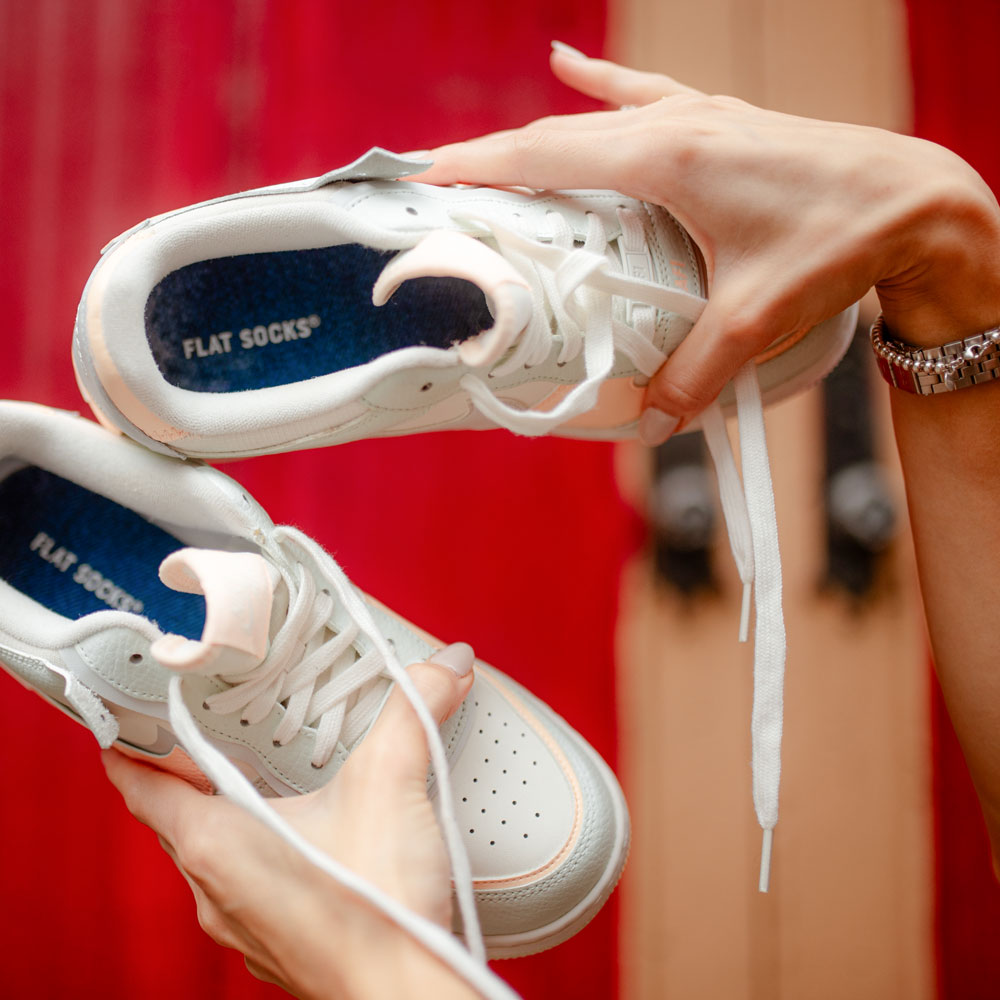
(930, 370)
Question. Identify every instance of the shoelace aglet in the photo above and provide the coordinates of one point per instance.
(765, 860)
(745, 611)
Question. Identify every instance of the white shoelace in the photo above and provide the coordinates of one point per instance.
(342, 707)
(573, 290)
(278, 677)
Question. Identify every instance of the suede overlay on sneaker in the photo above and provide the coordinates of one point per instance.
(76, 553)
(254, 321)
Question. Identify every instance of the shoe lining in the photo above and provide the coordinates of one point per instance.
(254, 321)
(76, 552)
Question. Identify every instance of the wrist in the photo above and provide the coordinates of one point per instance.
(946, 367)
(944, 283)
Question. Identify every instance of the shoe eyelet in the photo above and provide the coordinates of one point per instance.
(316, 767)
(410, 210)
(490, 375)
(135, 658)
(561, 364)
(426, 386)
(275, 743)
(244, 723)
(206, 706)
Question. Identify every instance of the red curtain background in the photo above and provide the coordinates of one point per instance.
(956, 99)
(113, 110)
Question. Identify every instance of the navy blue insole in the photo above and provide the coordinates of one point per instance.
(260, 320)
(77, 552)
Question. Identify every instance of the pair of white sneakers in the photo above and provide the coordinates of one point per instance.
(349, 306)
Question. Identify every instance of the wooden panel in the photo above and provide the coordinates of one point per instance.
(850, 909)
(846, 61)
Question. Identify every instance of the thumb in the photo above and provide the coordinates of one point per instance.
(397, 741)
(609, 82)
(696, 372)
(727, 335)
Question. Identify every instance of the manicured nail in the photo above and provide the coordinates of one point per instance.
(458, 658)
(567, 50)
(417, 154)
(655, 426)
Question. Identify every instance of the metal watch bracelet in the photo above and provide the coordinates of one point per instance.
(928, 371)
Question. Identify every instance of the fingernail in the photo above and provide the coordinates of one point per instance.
(655, 426)
(458, 658)
(416, 154)
(567, 50)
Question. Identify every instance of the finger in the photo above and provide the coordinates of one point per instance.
(732, 330)
(607, 81)
(689, 380)
(483, 159)
(159, 800)
(542, 155)
(397, 743)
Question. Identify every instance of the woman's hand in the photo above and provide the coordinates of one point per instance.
(297, 927)
(796, 218)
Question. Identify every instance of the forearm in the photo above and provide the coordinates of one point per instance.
(949, 447)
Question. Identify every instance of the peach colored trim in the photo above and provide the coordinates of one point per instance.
(238, 591)
(574, 834)
(454, 255)
(176, 762)
(95, 409)
(110, 377)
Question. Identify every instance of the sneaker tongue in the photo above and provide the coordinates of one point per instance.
(447, 254)
(239, 591)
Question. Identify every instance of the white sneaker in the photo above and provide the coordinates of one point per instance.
(270, 320)
(282, 667)
(274, 319)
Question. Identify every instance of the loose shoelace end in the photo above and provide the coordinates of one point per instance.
(765, 860)
(745, 613)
